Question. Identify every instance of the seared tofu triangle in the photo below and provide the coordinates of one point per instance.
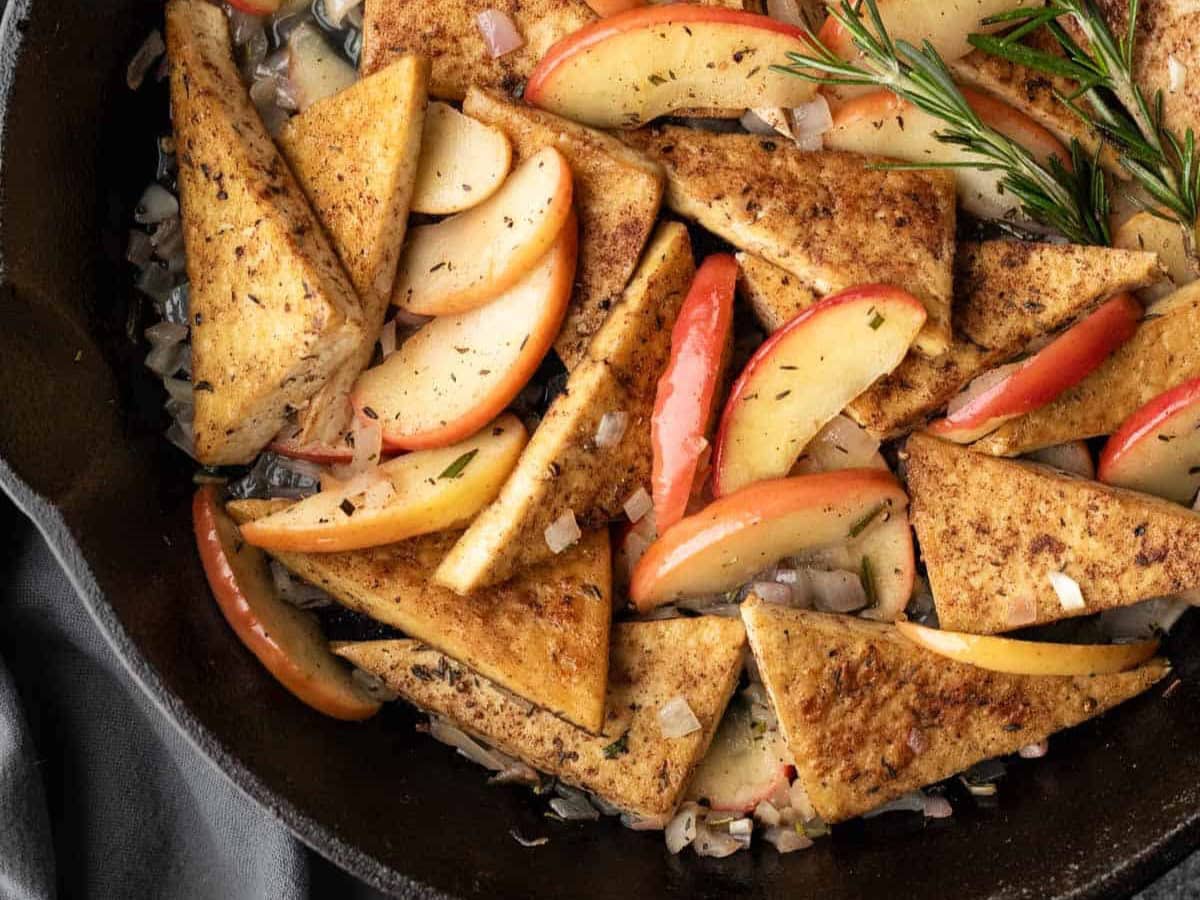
(356, 155)
(562, 471)
(1007, 293)
(855, 700)
(631, 764)
(828, 218)
(993, 531)
(449, 34)
(617, 196)
(1163, 353)
(543, 635)
(273, 314)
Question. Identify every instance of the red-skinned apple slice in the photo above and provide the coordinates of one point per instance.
(805, 374)
(635, 66)
(256, 7)
(725, 544)
(286, 640)
(743, 766)
(1157, 449)
(880, 123)
(321, 454)
(687, 391)
(459, 372)
(1058, 366)
(463, 262)
(612, 7)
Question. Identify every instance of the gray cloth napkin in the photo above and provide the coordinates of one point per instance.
(100, 796)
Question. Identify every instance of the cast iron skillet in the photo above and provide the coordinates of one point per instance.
(1114, 804)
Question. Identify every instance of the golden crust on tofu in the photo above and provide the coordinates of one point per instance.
(1007, 293)
(851, 695)
(992, 531)
(448, 34)
(630, 764)
(775, 294)
(273, 313)
(356, 155)
(562, 470)
(826, 217)
(617, 197)
(544, 635)
(1163, 352)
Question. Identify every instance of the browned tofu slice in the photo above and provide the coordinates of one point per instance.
(1007, 293)
(273, 313)
(993, 530)
(543, 635)
(448, 33)
(617, 197)
(561, 469)
(1164, 352)
(826, 217)
(630, 764)
(853, 697)
(356, 156)
(775, 294)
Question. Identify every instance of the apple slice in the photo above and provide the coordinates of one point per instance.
(1073, 457)
(463, 162)
(431, 490)
(629, 68)
(256, 7)
(315, 70)
(459, 372)
(945, 24)
(805, 374)
(1157, 449)
(744, 765)
(321, 454)
(1146, 231)
(881, 124)
(733, 538)
(1013, 657)
(286, 640)
(463, 262)
(687, 390)
(612, 7)
(1030, 385)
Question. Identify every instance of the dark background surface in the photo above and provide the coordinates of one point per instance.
(1115, 803)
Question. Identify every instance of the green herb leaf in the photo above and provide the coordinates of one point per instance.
(868, 581)
(619, 747)
(877, 321)
(455, 469)
(861, 525)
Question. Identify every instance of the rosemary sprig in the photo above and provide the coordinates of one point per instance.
(1164, 164)
(1073, 202)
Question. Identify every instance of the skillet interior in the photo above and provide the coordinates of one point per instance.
(1114, 804)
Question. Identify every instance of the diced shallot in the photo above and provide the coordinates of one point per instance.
(1177, 73)
(164, 359)
(150, 50)
(839, 592)
(786, 839)
(574, 809)
(772, 592)
(337, 10)
(1021, 611)
(713, 843)
(937, 807)
(611, 428)
(166, 333)
(500, 34)
(1034, 751)
(638, 505)
(441, 730)
(755, 123)
(367, 435)
(681, 830)
(562, 532)
(1069, 593)
(387, 338)
(766, 813)
(810, 122)
(676, 719)
(842, 444)
(156, 204)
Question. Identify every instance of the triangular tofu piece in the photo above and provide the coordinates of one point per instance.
(853, 697)
(273, 314)
(561, 469)
(774, 294)
(543, 635)
(1007, 293)
(448, 33)
(617, 196)
(356, 154)
(826, 217)
(631, 764)
(993, 530)
(1163, 352)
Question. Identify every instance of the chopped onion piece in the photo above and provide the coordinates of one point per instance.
(500, 34)
(164, 359)
(166, 333)
(681, 830)
(1034, 751)
(387, 338)
(152, 48)
(156, 204)
(179, 390)
(766, 813)
(716, 844)
(786, 840)
(980, 386)
(773, 592)
(441, 730)
(741, 827)
(1067, 588)
(367, 437)
(1177, 73)
(916, 740)
(840, 592)
(913, 801)
(841, 444)
(800, 801)
(676, 719)
(811, 120)
(1021, 611)
(379, 494)
(180, 434)
(140, 248)
(337, 10)
(638, 504)
(755, 123)
(373, 686)
(611, 428)
(937, 807)
(563, 532)
(574, 810)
